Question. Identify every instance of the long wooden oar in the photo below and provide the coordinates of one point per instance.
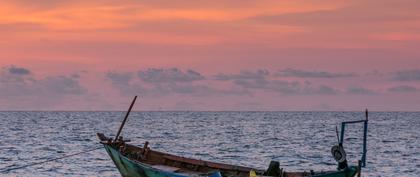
(125, 118)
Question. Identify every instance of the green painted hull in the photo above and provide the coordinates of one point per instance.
(130, 168)
(349, 172)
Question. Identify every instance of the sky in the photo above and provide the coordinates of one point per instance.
(203, 55)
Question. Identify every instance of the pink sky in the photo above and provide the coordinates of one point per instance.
(210, 55)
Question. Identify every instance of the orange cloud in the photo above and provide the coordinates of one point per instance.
(109, 16)
(128, 22)
(398, 36)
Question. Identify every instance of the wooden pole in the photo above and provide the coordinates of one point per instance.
(125, 118)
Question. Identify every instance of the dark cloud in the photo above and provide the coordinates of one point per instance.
(19, 78)
(119, 78)
(295, 88)
(126, 83)
(162, 82)
(260, 80)
(18, 70)
(243, 75)
(49, 87)
(319, 90)
(197, 90)
(176, 81)
(360, 91)
(269, 85)
(375, 73)
(65, 85)
(407, 75)
(20, 89)
(254, 80)
(154, 75)
(403, 89)
(75, 76)
(311, 74)
(15, 77)
(252, 84)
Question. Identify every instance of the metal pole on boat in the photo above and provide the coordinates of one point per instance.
(125, 118)
(336, 132)
(365, 129)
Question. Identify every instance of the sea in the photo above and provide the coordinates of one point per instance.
(300, 141)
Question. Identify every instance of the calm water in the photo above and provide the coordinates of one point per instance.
(299, 140)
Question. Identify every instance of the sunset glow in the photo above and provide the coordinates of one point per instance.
(210, 55)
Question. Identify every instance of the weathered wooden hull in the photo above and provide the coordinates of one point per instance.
(130, 168)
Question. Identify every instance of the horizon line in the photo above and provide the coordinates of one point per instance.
(209, 111)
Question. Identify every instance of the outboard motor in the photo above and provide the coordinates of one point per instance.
(339, 155)
(273, 169)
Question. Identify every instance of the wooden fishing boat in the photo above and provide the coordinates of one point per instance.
(134, 161)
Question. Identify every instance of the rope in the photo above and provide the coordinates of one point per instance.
(6, 170)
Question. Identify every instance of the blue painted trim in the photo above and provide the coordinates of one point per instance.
(365, 129)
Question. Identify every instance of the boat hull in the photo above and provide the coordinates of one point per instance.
(131, 168)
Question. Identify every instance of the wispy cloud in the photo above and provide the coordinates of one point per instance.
(13, 74)
(243, 75)
(65, 85)
(168, 81)
(384, 11)
(125, 83)
(18, 70)
(360, 91)
(261, 80)
(119, 78)
(170, 85)
(407, 75)
(403, 89)
(154, 75)
(22, 90)
(289, 72)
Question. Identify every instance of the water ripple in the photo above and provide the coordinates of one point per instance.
(299, 140)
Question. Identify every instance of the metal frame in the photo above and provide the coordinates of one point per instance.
(343, 126)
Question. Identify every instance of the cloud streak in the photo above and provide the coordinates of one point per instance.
(407, 75)
(360, 91)
(261, 80)
(243, 75)
(350, 14)
(289, 72)
(403, 89)
(169, 84)
(20, 89)
(154, 75)
(166, 82)
(18, 70)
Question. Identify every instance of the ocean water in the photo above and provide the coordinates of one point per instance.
(298, 140)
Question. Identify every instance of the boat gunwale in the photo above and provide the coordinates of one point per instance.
(234, 168)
